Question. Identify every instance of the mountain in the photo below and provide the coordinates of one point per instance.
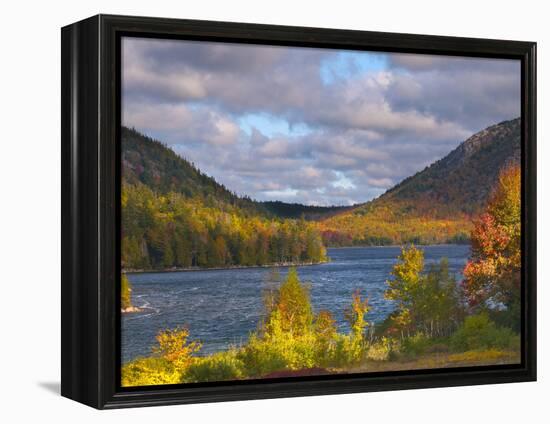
(176, 217)
(436, 204)
(149, 162)
(461, 181)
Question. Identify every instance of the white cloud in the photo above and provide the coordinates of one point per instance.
(366, 130)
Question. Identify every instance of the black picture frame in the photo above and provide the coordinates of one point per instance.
(90, 138)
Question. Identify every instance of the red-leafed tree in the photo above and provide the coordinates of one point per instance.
(492, 275)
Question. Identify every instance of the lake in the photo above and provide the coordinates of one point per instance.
(222, 307)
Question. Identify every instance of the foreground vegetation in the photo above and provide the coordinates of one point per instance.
(437, 322)
(292, 339)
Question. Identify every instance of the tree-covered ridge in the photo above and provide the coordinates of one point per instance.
(435, 205)
(175, 216)
(161, 231)
(151, 163)
(461, 181)
(385, 224)
(298, 210)
(155, 165)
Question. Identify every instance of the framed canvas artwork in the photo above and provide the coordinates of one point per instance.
(256, 211)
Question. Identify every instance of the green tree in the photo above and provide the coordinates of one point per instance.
(292, 311)
(407, 278)
(182, 250)
(431, 302)
(167, 254)
(437, 304)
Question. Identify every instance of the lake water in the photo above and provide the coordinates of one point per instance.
(222, 307)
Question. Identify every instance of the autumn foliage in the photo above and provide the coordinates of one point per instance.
(174, 346)
(162, 231)
(173, 216)
(290, 337)
(492, 276)
(393, 223)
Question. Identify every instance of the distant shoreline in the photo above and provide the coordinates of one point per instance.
(275, 265)
(190, 269)
(400, 245)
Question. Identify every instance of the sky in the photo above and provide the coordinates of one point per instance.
(311, 126)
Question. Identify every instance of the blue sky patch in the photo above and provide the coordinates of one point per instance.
(270, 125)
(346, 65)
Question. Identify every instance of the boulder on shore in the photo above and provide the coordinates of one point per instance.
(130, 309)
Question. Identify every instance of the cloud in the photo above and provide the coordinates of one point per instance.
(474, 92)
(174, 124)
(379, 182)
(310, 125)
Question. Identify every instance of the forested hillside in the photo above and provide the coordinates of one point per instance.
(151, 163)
(297, 210)
(461, 181)
(435, 205)
(174, 216)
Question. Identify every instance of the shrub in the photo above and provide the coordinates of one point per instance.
(351, 349)
(217, 367)
(415, 345)
(438, 348)
(150, 371)
(261, 358)
(325, 333)
(348, 350)
(478, 332)
(381, 350)
(284, 351)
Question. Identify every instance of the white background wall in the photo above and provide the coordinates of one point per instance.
(30, 211)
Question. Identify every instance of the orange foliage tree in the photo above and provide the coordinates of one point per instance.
(492, 275)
